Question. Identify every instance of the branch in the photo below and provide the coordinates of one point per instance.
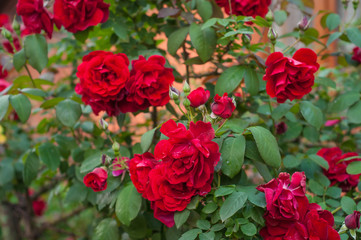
(46, 188)
(62, 218)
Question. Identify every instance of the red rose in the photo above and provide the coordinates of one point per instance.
(3, 84)
(286, 200)
(166, 217)
(39, 207)
(198, 97)
(281, 128)
(251, 8)
(190, 155)
(357, 54)
(290, 78)
(352, 221)
(78, 15)
(35, 16)
(277, 230)
(139, 168)
(102, 80)
(336, 172)
(223, 106)
(148, 84)
(97, 179)
(3, 72)
(319, 225)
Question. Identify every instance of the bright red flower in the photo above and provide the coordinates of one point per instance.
(337, 168)
(357, 54)
(223, 106)
(78, 15)
(251, 8)
(290, 78)
(198, 97)
(97, 179)
(319, 225)
(102, 79)
(352, 221)
(35, 16)
(148, 84)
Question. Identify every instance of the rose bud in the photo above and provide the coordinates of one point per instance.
(118, 166)
(356, 54)
(352, 221)
(198, 97)
(97, 179)
(39, 206)
(281, 128)
(303, 24)
(223, 106)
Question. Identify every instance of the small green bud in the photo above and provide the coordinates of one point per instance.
(303, 24)
(345, 3)
(186, 103)
(16, 27)
(246, 39)
(7, 34)
(272, 36)
(116, 148)
(174, 93)
(103, 124)
(269, 16)
(186, 88)
(355, 4)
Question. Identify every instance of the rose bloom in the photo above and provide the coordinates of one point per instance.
(198, 97)
(102, 79)
(139, 168)
(190, 155)
(5, 22)
(118, 165)
(39, 207)
(148, 84)
(281, 128)
(223, 106)
(290, 78)
(352, 221)
(336, 172)
(251, 8)
(78, 15)
(35, 16)
(357, 54)
(97, 179)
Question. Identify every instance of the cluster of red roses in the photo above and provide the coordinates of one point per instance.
(289, 215)
(338, 163)
(186, 168)
(251, 8)
(107, 85)
(74, 15)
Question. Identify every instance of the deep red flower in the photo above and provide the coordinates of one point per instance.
(78, 15)
(319, 225)
(281, 128)
(223, 106)
(352, 221)
(198, 97)
(251, 8)
(35, 16)
(290, 78)
(39, 207)
(102, 79)
(148, 84)
(337, 168)
(357, 54)
(139, 168)
(97, 179)
(190, 155)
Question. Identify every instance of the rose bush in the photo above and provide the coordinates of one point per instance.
(203, 119)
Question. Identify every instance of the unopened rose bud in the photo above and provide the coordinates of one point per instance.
(352, 221)
(16, 27)
(303, 24)
(186, 88)
(355, 4)
(269, 16)
(7, 34)
(272, 35)
(246, 39)
(281, 128)
(186, 103)
(103, 124)
(116, 148)
(173, 93)
(345, 3)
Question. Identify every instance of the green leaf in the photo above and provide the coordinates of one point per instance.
(36, 51)
(232, 204)
(92, 160)
(312, 114)
(181, 217)
(210, 208)
(229, 79)
(82, 36)
(354, 35)
(207, 236)
(210, 23)
(176, 40)
(205, 9)
(51, 103)
(333, 21)
(31, 168)
(128, 204)
(190, 235)
(19, 60)
(121, 30)
(316, 188)
(280, 17)
(4, 105)
(334, 192)
(249, 229)
(251, 80)
(344, 101)
(291, 161)
(22, 106)
(7, 171)
(354, 113)
(203, 224)
(147, 140)
(224, 190)
(319, 161)
(68, 112)
(267, 146)
(354, 168)
(49, 155)
(334, 36)
(77, 193)
(107, 229)
(203, 40)
(348, 205)
(280, 111)
(232, 153)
